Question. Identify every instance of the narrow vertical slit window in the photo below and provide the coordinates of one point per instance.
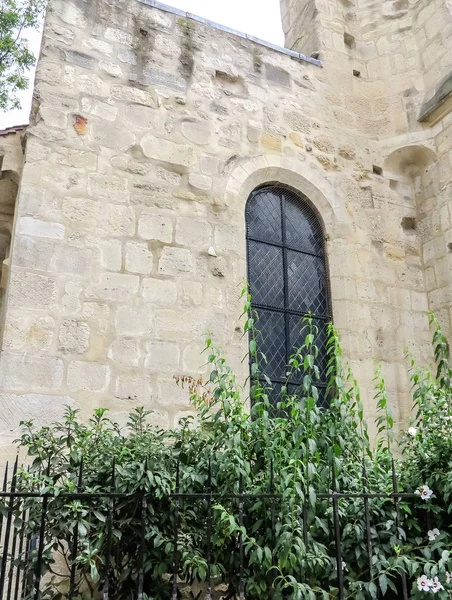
(288, 279)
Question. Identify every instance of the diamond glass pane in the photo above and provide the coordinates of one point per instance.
(263, 216)
(271, 341)
(306, 282)
(266, 274)
(303, 230)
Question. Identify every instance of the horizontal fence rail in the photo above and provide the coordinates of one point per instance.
(26, 553)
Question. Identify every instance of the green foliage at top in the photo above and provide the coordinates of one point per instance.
(16, 16)
(289, 548)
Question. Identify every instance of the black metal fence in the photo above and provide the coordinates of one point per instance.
(24, 553)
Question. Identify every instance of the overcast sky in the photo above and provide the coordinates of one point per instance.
(260, 18)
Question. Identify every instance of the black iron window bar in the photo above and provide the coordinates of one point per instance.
(288, 279)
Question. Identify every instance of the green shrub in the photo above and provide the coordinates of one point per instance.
(291, 451)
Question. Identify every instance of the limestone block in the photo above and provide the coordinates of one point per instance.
(113, 188)
(134, 320)
(28, 372)
(196, 132)
(35, 227)
(29, 290)
(126, 352)
(200, 182)
(297, 121)
(175, 261)
(193, 359)
(419, 301)
(160, 292)
(172, 394)
(35, 253)
(191, 293)
(115, 286)
(192, 233)
(138, 258)
(104, 111)
(112, 69)
(83, 212)
(162, 356)
(87, 377)
(209, 164)
(229, 238)
(79, 159)
(74, 336)
(153, 77)
(98, 315)
(111, 254)
(170, 152)
(154, 226)
(97, 45)
(26, 332)
(39, 408)
(113, 137)
(118, 36)
(90, 83)
(132, 95)
(121, 220)
(142, 117)
(69, 13)
(73, 259)
(176, 325)
(135, 389)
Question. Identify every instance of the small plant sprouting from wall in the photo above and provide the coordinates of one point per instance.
(186, 56)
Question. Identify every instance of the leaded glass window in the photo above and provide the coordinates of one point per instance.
(288, 278)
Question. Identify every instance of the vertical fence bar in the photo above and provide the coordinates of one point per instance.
(398, 522)
(176, 533)
(7, 535)
(367, 520)
(21, 549)
(13, 548)
(273, 521)
(42, 532)
(337, 536)
(75, 539)
(4, 555)
(5, 483)
(241, 548)
(209, 533)
(111, 508)
(144, 506)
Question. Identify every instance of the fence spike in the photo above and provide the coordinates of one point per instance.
(209, 532)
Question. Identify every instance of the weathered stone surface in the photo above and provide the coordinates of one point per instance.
(154, 226)
(73, 337)
(195, 234)
(175, 261)
(196, 132)
(29, 290)
(159, 291)
(166, 151)
(20, 372)
(32, 226)
(116, 287)
(87, 377)
(162, 356)
(138, 258)
(125, 352)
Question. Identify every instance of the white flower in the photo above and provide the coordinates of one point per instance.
(424, 492)
(343, 564)
(437, 586)
(448, 577)
(424, 583)
(433, 534)
(412, 431)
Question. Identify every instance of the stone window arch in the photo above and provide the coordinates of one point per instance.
(288, 278)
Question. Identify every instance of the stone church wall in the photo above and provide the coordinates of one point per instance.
(149, 131)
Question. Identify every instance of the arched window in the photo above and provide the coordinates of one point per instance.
(288, 278)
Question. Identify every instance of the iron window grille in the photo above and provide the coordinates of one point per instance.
(287, 274)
